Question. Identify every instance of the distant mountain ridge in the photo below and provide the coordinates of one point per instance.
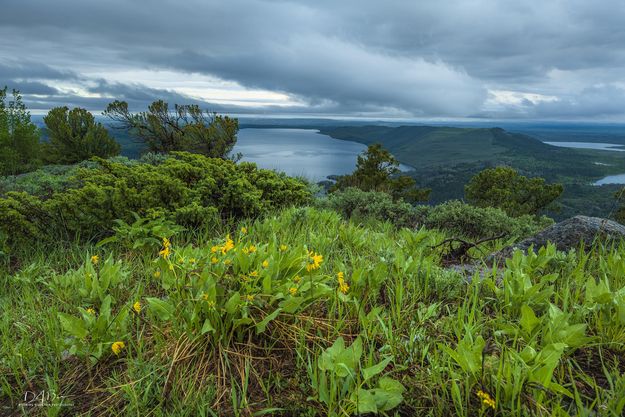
(433, 145)
(445, 158)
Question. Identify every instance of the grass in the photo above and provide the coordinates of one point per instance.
(257, 324)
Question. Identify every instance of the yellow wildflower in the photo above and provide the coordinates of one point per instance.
(227, 262)
(95, 259)
(314, 261)
(166, 251)
(254, 274)
(252, 249)
(137, 307)
(343, 287)
(487, 400)
(157, 274)
(244, 230)
(283, 248)
(249, 297)
(192, 260)
(293, 290)
(214, 260)
(265, 264)
(205, 297)
(214, 249)
(229, 245)
(297, 279)
(245, 251)
(91, 311)
(117, 347)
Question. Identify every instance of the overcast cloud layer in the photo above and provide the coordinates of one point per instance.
(538, 59)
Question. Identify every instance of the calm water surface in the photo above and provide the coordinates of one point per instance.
(302, 152)
(612, 179)
(589, 145)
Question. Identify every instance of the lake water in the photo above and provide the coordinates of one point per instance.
(299, 152)
(612, 179)
(589, 145)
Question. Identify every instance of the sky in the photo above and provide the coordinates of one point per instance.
(447, 59)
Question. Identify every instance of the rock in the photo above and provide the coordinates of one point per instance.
(568, 234)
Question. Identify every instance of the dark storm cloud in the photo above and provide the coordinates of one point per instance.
(409, 58)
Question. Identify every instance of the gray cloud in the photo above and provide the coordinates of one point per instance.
(354, 57)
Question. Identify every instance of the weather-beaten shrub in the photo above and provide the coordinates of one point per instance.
(361, 205)
(454, 217)
(481, 222)
(189, 189)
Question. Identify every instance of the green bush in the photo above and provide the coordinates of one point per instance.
(360, 205)
(51, 178)
(481, 222)
(454, 217)
(188, 189)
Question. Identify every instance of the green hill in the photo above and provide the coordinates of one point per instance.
(445, 158)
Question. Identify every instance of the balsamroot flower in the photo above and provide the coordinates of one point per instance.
(487, 400)
(343, 287)
(95, 259)
(117, 347)
(137, 307)
(314, 261)
(166, 251)
(228, 246)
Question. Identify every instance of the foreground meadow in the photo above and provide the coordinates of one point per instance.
(302, 313)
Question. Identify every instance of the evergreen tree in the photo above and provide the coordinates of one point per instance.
(186, 128)
(19, 137)
(75, 136)
(378, 170)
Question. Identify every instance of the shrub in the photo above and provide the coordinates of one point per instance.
(188, 189)
(51, 178)
(357, 204)
(505, 188)
(477, 222)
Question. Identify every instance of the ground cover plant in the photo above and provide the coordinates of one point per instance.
(301, 312)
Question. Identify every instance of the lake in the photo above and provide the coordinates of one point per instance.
(589, 145)
(612, 179)
(299, 152)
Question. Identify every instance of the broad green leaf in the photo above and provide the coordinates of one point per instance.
(163, 309)
(260, 327)
(73, 325)
(233, 303)
(528, 321)
(365, 401)
(372, 371)
(207, 327)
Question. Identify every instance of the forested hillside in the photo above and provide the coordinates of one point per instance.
(445, 158)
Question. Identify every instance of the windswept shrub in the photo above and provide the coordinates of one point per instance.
(360, 205)
(454, 217)
(50, 179)
(477, 222)
(188, 189)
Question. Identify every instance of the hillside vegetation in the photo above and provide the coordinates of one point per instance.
(186, 284)
(445, 158)
(303, 313)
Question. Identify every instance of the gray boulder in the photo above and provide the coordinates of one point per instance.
(569, 234)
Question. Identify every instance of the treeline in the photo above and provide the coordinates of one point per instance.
(75, 136)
